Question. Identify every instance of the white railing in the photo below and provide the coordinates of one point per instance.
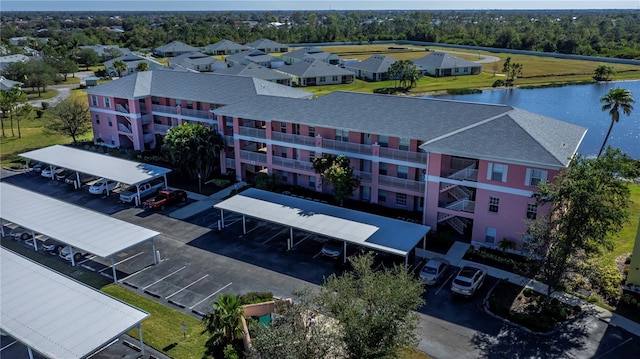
(444, 216)
(417, 157)
(252, 132)
(148, 137)
(459, 192)
(291, 163)
(230, 162)
(401, 183)
(228, 140)
(164, 109)
(457, 224)
(346, 147)
(290, 138)
(146, 119)
(120, 108)
(253, 156)
(161, 128)
(463, 205)
(470, 174)
(365, 177)
(123, 128)
(194, 113)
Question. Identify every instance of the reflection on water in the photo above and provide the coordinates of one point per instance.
(579, 104)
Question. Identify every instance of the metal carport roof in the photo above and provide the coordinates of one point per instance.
(360, 228)
(117, 169)
(56, 315)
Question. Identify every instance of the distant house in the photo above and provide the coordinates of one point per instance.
(5, 61)
(132, 62)
(197, 61)
(317, 72)
(27, 39)
(268, 46)
(310, 53)
(440, 64)
(375, 68)
(175, 48)
(259, 72)
(107, 51)
(225, 47)
(6, 84)
(254, 57)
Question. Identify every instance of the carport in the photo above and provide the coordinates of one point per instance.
(56, 316)
(81, 161)
(359, 228)
(75, 226)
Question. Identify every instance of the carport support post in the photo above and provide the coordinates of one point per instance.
(153, 251)
(76, 185)
(244, 225)
(1, 227)
(222, 217)
(73, 261)
(30, 352)
(35, 242)
(113, 268)
(290, 243)
(138, 198)
(344, 252)
(141, 342)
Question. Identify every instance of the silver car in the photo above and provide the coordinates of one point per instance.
(332, 249)
(434, 271)
(468, 280)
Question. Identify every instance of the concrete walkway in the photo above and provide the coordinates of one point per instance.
(203, 203)
(455, 258)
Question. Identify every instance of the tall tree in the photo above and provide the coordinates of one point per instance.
(338, 171)
(9, 102)
(512, 70)
(615, 100)
(223, 322)
(120, 67)
(588, 202)
(193, 149)
(71, 117)
(88, 57)
(603, 73)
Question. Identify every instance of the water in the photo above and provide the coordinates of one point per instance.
(579, 104)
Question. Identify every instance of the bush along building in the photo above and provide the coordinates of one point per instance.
(472, 169)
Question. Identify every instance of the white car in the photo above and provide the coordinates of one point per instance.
(468, 280)
(46, 172)
(20, 233)
(78, 255)
(102, 186)
(433, 271)
(49, 245)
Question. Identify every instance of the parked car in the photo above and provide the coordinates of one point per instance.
(38, 167)
(20, 233)
(146, 189)
(166, 198)
(433, 272)
(332, 248)
(102, 186)
(47, 172)
(84, 178)
(469, 280)
(49, 245)
(64, 174)
(78, 255)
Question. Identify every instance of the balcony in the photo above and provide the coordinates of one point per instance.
(194, 113)
(230, 163)
(252, 132)
(148, 137)
(463, 205)
(346, 147)
(401, 183)
(124, 128)
(228, 141)
(365, 177)
(296, 139)
(146, 119)
(399, 155)
(254, 157)
(164, 109)
(293, 164)
(123, 109)
(161, 128)
(466, 174)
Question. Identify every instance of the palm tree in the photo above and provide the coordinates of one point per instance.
(120, 67)
(223, 322)
(142, 66)
(613, 101)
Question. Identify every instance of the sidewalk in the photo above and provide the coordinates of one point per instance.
(203, 203)
(454, 257)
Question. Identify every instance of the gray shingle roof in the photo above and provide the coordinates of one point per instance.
(132, 60)
(226, 45)
(6, 84)
(313, 68)
(254, 70)
(265, 44)
(100, 49)
(251, 56)
(194, 58)
(472, 129)
(310, 53)
(441, 60)
(176, 46)
(212, 88)
(375, 64)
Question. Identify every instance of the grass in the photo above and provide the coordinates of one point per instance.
(623, 241)
(33, 95)
(162, 330)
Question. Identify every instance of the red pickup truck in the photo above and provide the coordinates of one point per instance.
(166, 198)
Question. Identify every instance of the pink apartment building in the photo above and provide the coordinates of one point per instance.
(472, 168)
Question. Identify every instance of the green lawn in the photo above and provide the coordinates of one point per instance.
(624, 240)
(33, 95)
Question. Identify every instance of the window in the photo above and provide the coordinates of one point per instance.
(382, 168)
(312, 155)
(110, 121)
(401, 199)
(107, 102)
(113, 140)
(342, 135)
(284, 175)
(312, 131)
(312, 181)
(532, 211)
(97, 120)
(94, 100)
(296, 129)
(228, 121)
(403, 144)
(383, 141)
(497, 172)
(494, 204)
(190, 104)
(403, 172)
(334, 78)
(490, 236)
(283, 127)
(382, 195)
(534, 177)
(155, 100)
(323, 79)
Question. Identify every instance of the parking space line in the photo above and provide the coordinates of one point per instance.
(251, 230)
(317, 254)
(302, 240)
(445, 283)
(136, 273)
(8, 345)
(165, 277)
(122, 261)
(203, 277)
(86, 260)
(211, 295)
(274, 236)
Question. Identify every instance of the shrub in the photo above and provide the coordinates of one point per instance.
(528, 292)
(45, 105)
(498, 83)
(463, 91)
(256, 297)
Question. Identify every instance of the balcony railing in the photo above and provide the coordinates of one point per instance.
(469, 174)
(463, 205)
(253, 156)
(123, 109)
(365, 177)
(228, 141)
(291, 138)
(252, 132)
(291, 163)
(346, 147)
(230, 162)
(401, 183)
(148, 137)
(164, 109)
(194, 113)
(161, 128)
(417, 157)
(146, 119)
(124, 128)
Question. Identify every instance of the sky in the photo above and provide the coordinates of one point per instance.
(274, 5)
